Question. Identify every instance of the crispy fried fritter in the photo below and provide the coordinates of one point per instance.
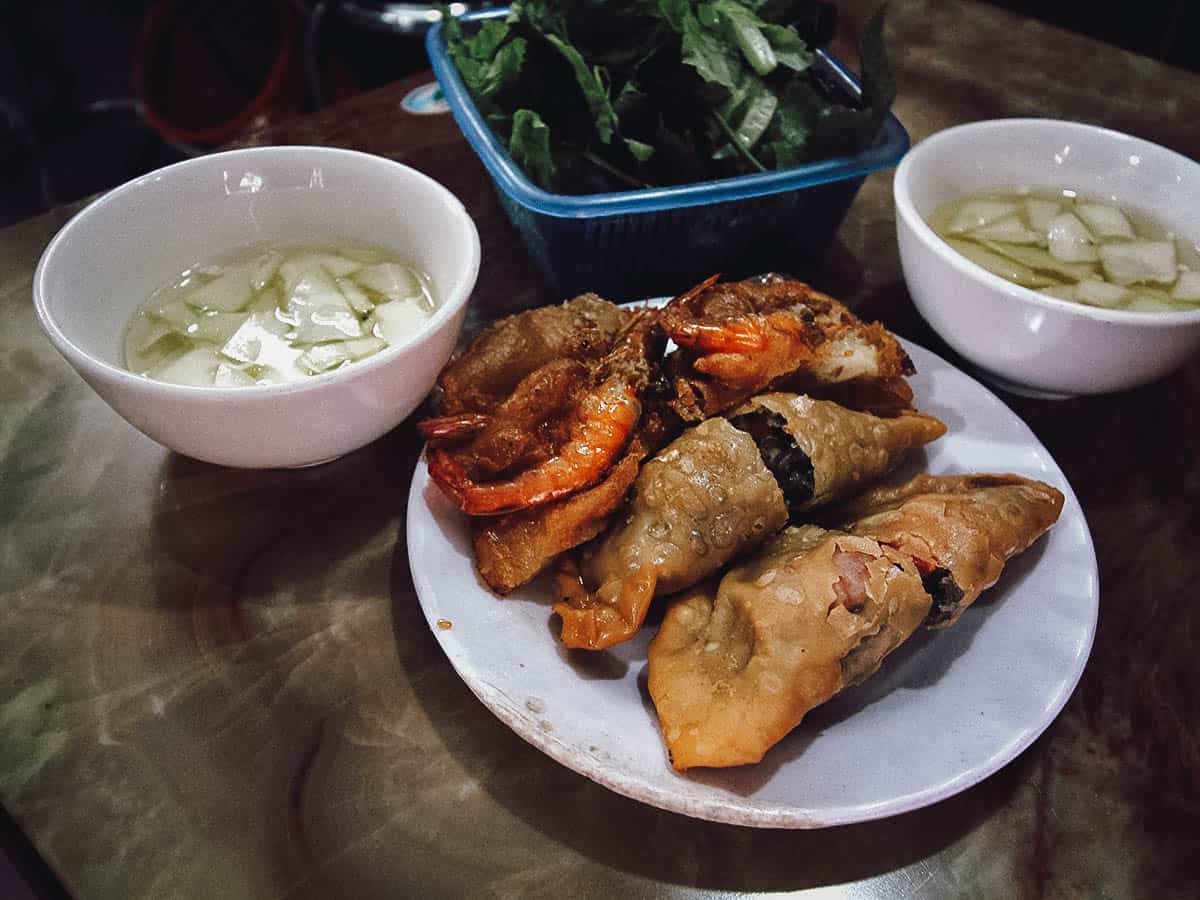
(735, 667)
(965, 526)
(523, 430)
(512, 550)
(717, 492)
(582, 329)
(593, 417)
(739, 338)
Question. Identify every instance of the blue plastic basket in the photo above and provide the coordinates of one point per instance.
(632, 244)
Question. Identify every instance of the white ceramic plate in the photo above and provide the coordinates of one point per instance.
(947, 709)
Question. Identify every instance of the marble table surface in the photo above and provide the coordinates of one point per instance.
(218, 683)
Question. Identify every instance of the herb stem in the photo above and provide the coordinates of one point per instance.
(612, 170)
(741, 148)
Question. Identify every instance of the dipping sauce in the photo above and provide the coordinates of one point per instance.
(268, 315)
(1073, 247)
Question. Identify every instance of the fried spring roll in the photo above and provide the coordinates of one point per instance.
(719, 491)
(960, 529)
(840, 451)
(733, 670)
(704, 499)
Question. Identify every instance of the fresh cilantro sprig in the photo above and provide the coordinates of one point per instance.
(600, 95)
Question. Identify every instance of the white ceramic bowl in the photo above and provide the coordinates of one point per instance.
(1030, 342)
(112, 255)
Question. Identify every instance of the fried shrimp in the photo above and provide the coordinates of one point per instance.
(739, 338)
(603, 423)
(523, 431)
(745, 350)
(582, 329)
(597, 429)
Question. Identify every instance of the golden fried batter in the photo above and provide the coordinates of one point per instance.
(717, 492)
(739, 338)
(583, 329)
(566, 450)
(512, 550)
(735, 668)
(703, 500)
(967, 525)
(847, 450)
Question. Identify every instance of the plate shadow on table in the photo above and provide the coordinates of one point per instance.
(256, 567)
(625, 835)
(218, 533)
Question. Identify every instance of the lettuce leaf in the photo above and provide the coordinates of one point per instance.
(593, 95)
(590, 82)
(529, 146)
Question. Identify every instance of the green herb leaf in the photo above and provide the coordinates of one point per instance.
(541, 15)
(797, 110)
(450, 25)
(785, 155)
(504, 68)
(530, 146)
(756, 116)
(707, 15)
(669, 91)
(737, 142)
(749, 112)
(484, 61)
(743, 28)
(674, 12)
(704, 51)
(789, 47)
(641, 152)
(482, 46)
(595, 94)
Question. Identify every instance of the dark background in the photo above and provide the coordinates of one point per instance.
(69, 119)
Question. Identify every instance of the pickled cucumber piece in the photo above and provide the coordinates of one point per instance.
(354, 295)
(231, 376)
(1010, 230)
(1103, 220)
(1070, 241)
(275, 314)
(174, 313)
(1101, 293)
(1145, 261)
(1041, 261)
(1006, 268)
(1187, 287)
(398, 320)
(228, 292)
(1040, 213)
(324, 357)
(195, 367)
(1123, 258)
(1060, 291)
(390, 280)
(977, 213)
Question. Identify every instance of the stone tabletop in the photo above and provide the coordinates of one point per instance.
(218, 683)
